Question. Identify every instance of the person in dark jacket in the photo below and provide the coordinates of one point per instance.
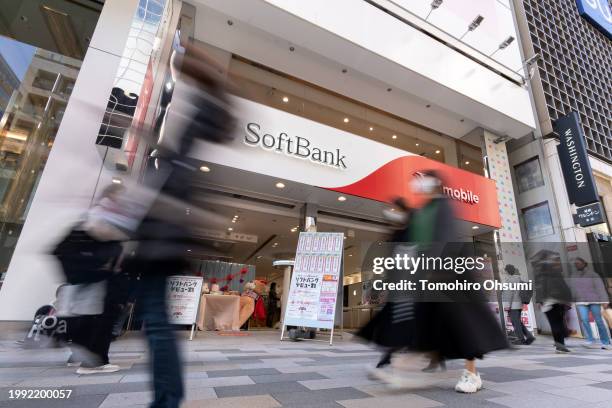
(447, 326)
(163, 236)
(515, 308)
(273, 309)
(553, 295)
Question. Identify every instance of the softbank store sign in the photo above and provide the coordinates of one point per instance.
(279, 144)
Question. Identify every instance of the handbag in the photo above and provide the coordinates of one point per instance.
(85, 259)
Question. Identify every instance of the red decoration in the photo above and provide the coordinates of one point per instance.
(213, 280)
(225, 288)
(229, 277)
(244, 271)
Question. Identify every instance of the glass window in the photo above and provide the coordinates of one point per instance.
(528, 175)
(538, 222)
(39, 64)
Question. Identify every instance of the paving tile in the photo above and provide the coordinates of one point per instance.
(199, 393)
(537, 399)
(395, 401)
(254, 401)
(110, 388)
(598, 376)
(568, 361)
(584, 393)
(320, 396)
(272, 378)
(326, 383)
(127, 399)
(564, 381)
(260, 389)
(516, 387)
(505, 374)
(70, 380)
(235, 373)
(218, 381)
(587, 368)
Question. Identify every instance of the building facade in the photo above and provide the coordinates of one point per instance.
(335, 113)
(571, 74)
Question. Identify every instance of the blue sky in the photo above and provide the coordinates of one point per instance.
(18, 55)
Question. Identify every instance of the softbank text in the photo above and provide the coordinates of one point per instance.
(295, 146)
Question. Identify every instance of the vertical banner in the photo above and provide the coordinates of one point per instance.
(579, 180)
(183, 298)
(313, 293)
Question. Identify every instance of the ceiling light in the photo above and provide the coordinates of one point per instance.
(259, 257)
(342, 198)
(280, 185)
(189, 250)
(416, 144)
(437, 152)
(285, 99)
(467, 162)
(346, 120)
(205, 169)
(293, 229)
(371, 128)
(234, 220)
(475, 227)
(504, 44)
(230, 229)
(350, 254)
(394, 137)
(116, 180)
(434, 5)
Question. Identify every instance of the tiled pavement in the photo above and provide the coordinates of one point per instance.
(258, 371)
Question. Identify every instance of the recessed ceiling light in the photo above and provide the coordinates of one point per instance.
(416, 144)
(346, 120)
(280, 185)
(116, 180)
(350, 254)
(371, 128)
(205, 169)
(234, 220)
(394, 137)
(230, 229)
(285, 99)
(475, 227)
(437, 152)
(189, 250)
(342, 198)
(467, 162)
(293, 229)
(259, 257)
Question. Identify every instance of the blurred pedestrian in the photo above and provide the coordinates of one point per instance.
(164, 235)
(90, 256)
(553, 294)
(515, 306)
(590, 295)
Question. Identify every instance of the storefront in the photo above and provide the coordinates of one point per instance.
(324, 140)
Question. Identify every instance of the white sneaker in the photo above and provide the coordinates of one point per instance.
(107, 368)
(590, 345)
(468, 383)
(606, 347)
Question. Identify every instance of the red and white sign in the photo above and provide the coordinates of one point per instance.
(280, 144)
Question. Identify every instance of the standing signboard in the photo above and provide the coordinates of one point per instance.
(317, 272)
(183, 299)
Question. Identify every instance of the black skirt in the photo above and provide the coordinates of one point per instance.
(392, 327)
(457, 330)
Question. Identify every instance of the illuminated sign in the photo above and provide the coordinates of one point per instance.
(598, 13)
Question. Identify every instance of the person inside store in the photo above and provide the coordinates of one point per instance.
(445, 327)
(590, 295)
(273, 312)
(514, 303)
(553, 294)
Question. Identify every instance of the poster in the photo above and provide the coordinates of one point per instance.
(317, 273)
(183, 298)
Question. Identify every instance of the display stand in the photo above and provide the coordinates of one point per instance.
(183, 295)
(315, 283)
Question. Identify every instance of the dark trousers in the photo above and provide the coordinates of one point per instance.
(520, 331)
(163, 350)
(556, 317)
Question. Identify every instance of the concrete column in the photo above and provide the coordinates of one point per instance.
(73, 170)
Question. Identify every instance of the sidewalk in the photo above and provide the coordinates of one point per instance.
(258, 371)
